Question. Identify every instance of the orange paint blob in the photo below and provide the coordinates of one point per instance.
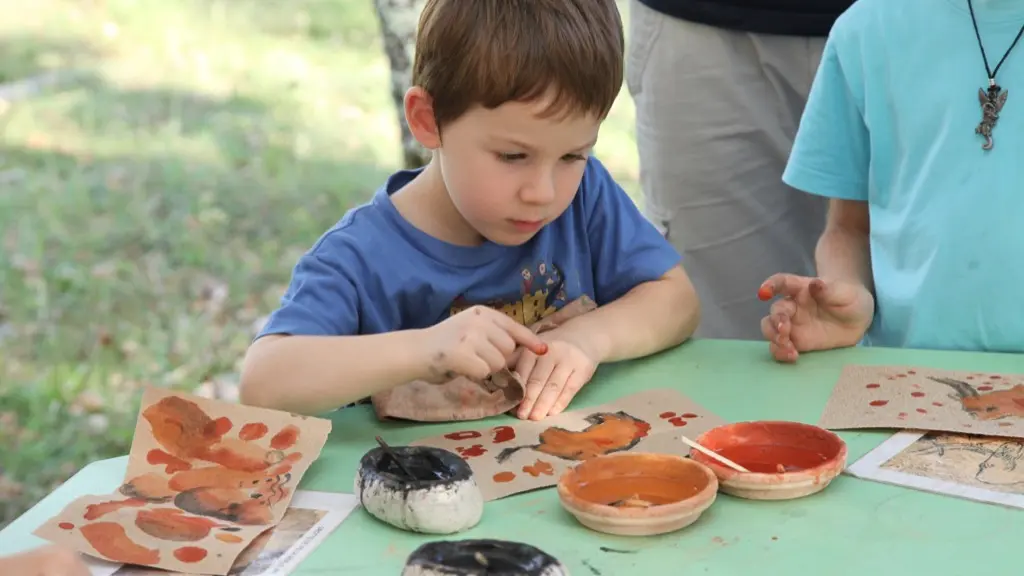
(190, 554)
(877, 403)
(94, 511)
(111, 541)
(667, 415)
(539, 467)
(502, 477)
(171, 464)
(873, 385)
(253, 431)
(286, 438)
(66, 525)
(228, 538)
(504, 434)
(220, 426)
(172, 524)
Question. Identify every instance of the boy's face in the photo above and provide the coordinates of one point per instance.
(510, 171)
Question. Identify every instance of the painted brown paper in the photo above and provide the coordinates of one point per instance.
(508, 459)
(462, 398)
(927, 399)
(205, 478)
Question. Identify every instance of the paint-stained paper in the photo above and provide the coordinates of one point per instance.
(512, 458)
(906, 397)
(205, 478)
(462, 398)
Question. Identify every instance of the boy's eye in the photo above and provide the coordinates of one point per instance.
(510, 157)
(573, 158)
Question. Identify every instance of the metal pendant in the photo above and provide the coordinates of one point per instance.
(991, 103)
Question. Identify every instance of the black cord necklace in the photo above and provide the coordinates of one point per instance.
(993, 100)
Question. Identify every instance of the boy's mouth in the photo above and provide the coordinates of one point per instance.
(527, 225)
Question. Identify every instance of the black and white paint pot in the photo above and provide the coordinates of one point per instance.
(442, 497)
(480, 557)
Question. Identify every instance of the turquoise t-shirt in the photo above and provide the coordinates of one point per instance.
(890, 120)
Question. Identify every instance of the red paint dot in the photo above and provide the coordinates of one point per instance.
(922, 410)
(996, 377)
(901, 375)
(666, 415)
(936, 403)
(911, 372)
(917, 394)
(970, 377)
(1005, 424)
(984, 388)
(902, 415)
(190, 554)
(689, 415)
(66, 525)
(873, 385)
(879, 402)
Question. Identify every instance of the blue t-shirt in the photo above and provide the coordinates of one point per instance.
(890, 120)
(373, 272)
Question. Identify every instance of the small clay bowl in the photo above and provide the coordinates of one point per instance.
(786, 459)
(442, 498)
(637, 493)
(471, 557)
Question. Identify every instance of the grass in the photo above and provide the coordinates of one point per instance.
(152, 204)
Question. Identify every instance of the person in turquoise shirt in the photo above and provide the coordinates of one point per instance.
(914, 129)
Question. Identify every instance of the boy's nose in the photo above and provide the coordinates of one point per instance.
(540, 191)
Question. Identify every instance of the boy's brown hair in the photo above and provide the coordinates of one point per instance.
(489, 52)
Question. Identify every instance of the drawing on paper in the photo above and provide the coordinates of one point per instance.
(198, 489)
(982, 462)
(990, 404)
(606, 433)
(918, 398)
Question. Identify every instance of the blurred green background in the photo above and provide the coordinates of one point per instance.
(162, 165)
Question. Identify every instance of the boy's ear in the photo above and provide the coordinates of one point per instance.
(419, 114)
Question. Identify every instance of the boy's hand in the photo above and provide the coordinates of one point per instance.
(814, 314)
(49, 560)
(552, 380)
(475, 343)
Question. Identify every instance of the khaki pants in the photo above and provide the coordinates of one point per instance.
(717, 111)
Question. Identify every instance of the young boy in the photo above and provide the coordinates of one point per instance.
(512, 213)
(910, 133)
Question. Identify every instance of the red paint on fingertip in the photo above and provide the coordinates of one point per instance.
(542, 349)
(764, 293)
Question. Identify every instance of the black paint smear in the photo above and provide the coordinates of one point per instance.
(617, 551)
(593, 570)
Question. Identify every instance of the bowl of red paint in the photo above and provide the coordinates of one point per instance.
(785, 460)
(637, 493)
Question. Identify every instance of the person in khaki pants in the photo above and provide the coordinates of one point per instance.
(719, 88)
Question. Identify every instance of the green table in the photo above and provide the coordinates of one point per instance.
(853, 527)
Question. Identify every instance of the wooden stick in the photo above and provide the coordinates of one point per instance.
(721, 459)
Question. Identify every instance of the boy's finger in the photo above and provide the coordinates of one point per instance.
(781, 284)
(535, 381)
(524, 336)
(550, 392)
(572, 386)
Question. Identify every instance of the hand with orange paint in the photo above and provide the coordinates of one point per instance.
(475, 343)
(813, 314)
(553, 379)
(48, 560)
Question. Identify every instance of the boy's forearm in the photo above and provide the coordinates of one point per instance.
(316, 374)
(651, 317)
(845, 254)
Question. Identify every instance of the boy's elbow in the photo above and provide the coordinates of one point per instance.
(254, 386)
(685, 301)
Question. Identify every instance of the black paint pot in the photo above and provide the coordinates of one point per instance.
(440, 497)
(481, 557)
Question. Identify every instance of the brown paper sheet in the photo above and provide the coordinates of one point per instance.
(205, 478)
(508, 459)
(462, 398)
(907, 397)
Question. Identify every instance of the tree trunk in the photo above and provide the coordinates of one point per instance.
(398, 20)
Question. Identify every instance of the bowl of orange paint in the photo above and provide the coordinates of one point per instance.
(785, 460)
(637, 493)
